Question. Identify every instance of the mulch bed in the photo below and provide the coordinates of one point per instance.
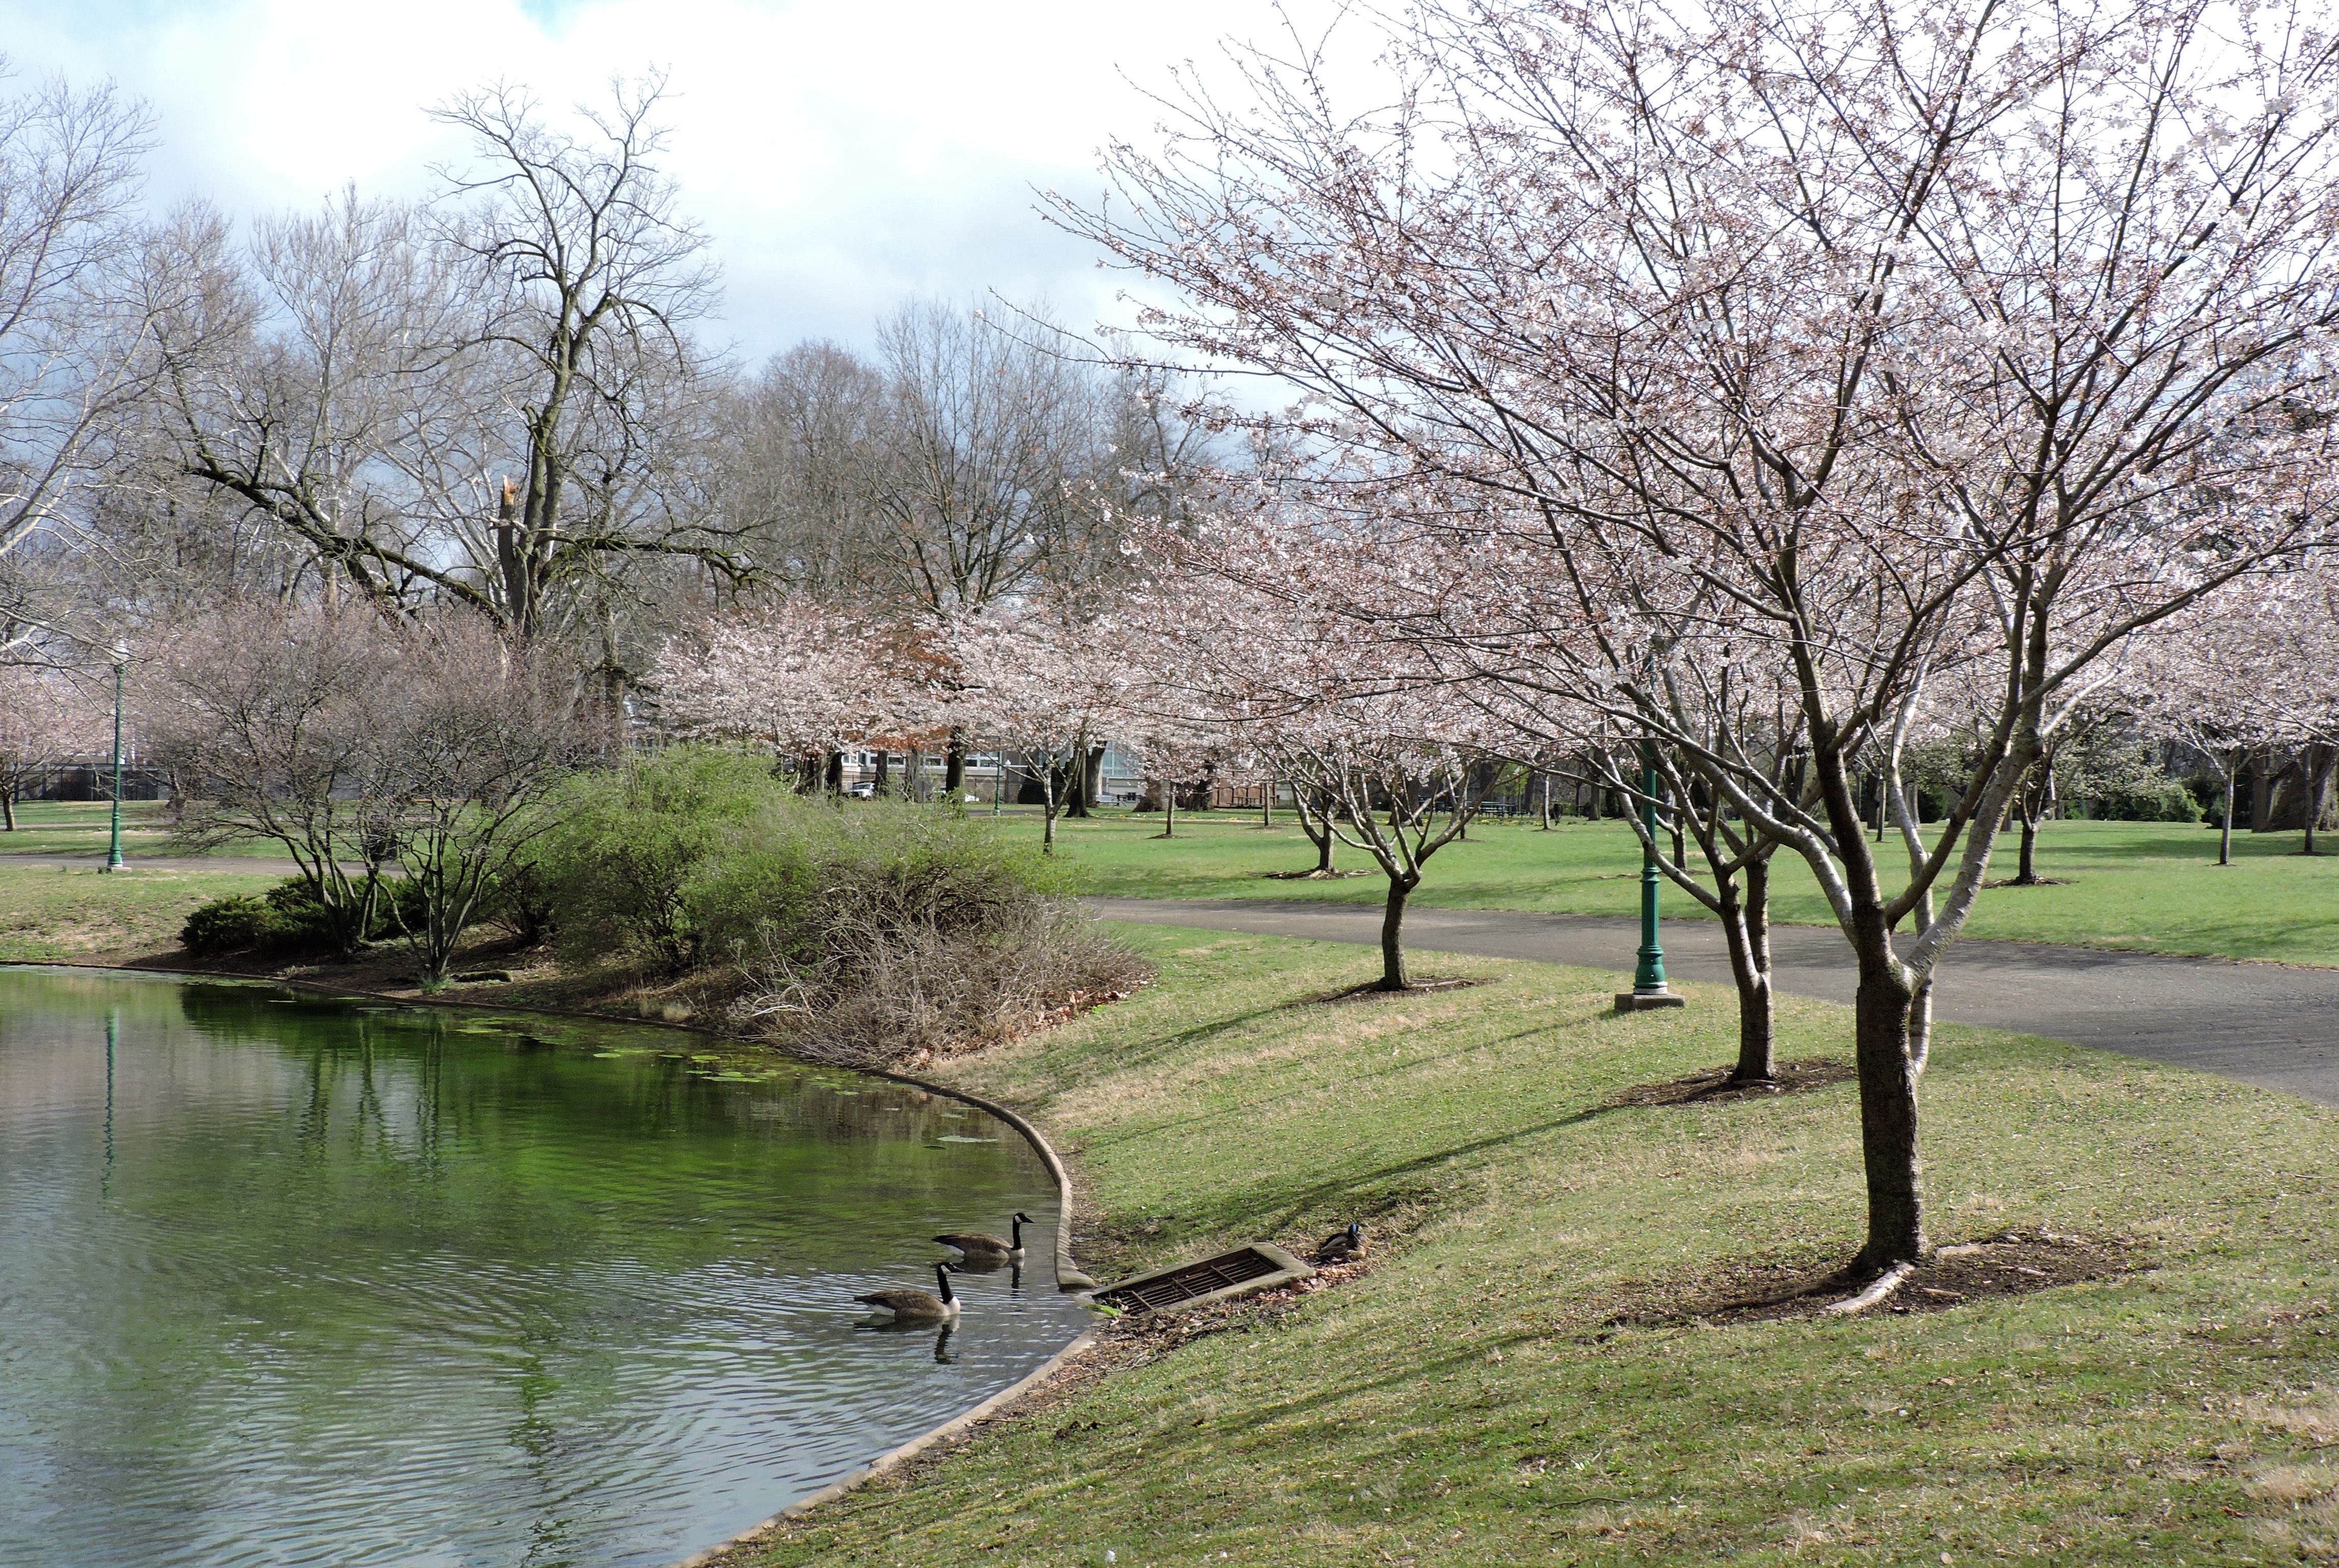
(1712, 1085)
(1312, 875)
(2015, 1263)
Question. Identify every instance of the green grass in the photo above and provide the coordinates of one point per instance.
(1461, 1404)
(82, 827)
(2152, 886)
(82, 914)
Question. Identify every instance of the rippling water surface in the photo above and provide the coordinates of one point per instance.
(285, 1280)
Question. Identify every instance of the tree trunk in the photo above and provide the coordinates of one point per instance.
(834, 779)
(8, 809)
(1392, 974)
(2026, 873)
(1324, 848)
(1746, 927)
(1546, 802)
(1170, 812)
(1048, 813)
(955, 764)
(1267, 803)
(884, 784)
(2225, 834)
(1887, 1101)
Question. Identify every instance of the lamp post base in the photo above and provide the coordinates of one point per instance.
(1647, 1001)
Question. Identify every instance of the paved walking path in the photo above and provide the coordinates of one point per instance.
(252, 865)
(2274, 1025)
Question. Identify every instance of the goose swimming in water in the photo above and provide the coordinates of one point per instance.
(981, 1244)
(917, 1306)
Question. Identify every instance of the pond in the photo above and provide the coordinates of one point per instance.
(288, 1279)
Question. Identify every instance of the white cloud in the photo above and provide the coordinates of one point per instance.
(843, 156)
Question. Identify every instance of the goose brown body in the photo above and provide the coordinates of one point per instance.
(981, 1243)
(917, 1306)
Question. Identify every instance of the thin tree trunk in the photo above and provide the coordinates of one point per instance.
(955, 764)
(2225, 834)
(884, 784)
(1746, 927)
(1267, 803)
(1393, 973)
(835, 775)
(1170, 812)
(8, 809)
(2026, 867)
(1546, 802)
(1048, 815)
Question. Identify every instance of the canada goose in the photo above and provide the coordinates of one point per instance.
(917, 1306)
(981, 1243)
(1343, 1245)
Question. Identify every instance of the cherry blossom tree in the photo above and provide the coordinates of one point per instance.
(44, 719)
(1357, 724)
(2232, 680)
(1048, 684)
(1841, 353)
(804, 679)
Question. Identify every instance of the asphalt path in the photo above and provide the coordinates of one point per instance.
(2274, 1025)
(252, 865)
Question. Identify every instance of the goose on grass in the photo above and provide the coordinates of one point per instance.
(1343, 1245)
(917, 1306)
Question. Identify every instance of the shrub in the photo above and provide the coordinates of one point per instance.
(631, 844)
(864, 934)
(2158, 798)
(227, 925)
(288, 920)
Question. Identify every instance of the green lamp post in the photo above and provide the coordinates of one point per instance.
(1649, 975)
(114, 849)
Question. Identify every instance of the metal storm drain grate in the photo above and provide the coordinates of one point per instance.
(1254, 1267)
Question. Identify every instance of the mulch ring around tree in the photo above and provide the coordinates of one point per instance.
(1312, 875)
(1712, 1085)
(2034, 882)
(2016, 1263)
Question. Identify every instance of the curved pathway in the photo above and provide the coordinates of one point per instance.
(2274, 1025)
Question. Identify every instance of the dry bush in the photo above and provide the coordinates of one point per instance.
(893, 992)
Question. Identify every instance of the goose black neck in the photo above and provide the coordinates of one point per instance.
(942, 1273)
(1015, 1232)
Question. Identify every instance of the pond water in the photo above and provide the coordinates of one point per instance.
(291, 1280)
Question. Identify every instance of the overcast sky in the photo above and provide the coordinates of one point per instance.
(842, 155)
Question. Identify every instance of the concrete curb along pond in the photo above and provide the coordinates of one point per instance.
(1068, 1278)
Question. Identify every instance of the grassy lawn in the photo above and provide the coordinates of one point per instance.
(1463, 1404)
(82, 827)
(73, 915)
(2144, 885)
(49, 913)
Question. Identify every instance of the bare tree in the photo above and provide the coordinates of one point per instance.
(272, 719)
(589, 278)
(72, 328)
(479, 733)
(491, 401)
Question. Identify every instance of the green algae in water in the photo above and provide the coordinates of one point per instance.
(309, 1283)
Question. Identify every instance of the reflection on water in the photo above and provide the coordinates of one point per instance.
(285, 1280)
